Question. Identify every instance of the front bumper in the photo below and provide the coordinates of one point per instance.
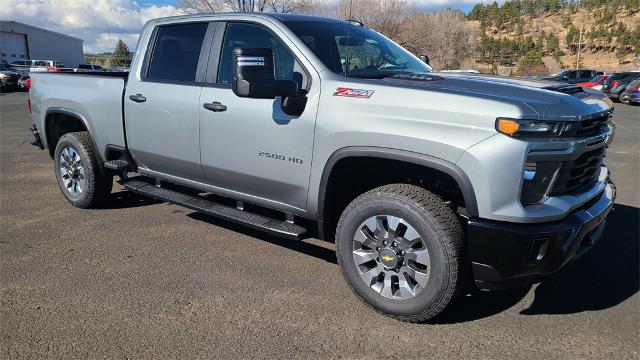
(505, 255)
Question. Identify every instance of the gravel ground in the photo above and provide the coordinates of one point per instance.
(143, 279)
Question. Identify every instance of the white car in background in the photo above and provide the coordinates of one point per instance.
(37, 65)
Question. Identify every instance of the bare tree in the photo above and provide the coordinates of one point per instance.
(445, 36)
(213, 6)
(385, 16)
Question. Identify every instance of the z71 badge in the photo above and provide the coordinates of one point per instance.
(356, 93)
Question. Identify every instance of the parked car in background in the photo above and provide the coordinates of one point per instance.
(117, 69)
(37, 65)
(8, 78)
(46, 66)
(617, 83)
(20, 64)
(573, 76)
(631, 95)
(22, 83)
(89, 67)
(595, 82)
(462, 71)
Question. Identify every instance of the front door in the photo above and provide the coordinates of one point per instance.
(162, 108)
(252, 148)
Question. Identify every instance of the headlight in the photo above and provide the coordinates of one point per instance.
(4, 76)
(531, 128)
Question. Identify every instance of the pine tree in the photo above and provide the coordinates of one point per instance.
(121, 54)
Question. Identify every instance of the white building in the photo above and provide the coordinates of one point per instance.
(24, 42)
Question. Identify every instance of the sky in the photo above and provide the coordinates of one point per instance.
(100, 23)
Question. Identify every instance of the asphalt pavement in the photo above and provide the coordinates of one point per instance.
(144, 279)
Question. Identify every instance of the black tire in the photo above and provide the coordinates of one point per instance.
(97, 187)
(435, 223)
(624, 99)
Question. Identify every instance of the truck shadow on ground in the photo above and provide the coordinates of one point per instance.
(126, 199)
(604, 277)
(306, 248)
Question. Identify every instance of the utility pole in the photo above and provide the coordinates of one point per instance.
(350, 7)
(579, 47)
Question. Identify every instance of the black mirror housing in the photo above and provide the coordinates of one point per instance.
(424, 59)
(254, 75)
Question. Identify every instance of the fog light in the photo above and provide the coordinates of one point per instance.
(538, 250)
(537, 181)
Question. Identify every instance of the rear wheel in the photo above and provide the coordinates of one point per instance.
(77, 171)
(400, 249)
(616, 98)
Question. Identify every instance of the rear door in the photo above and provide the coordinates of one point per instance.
(162, 108)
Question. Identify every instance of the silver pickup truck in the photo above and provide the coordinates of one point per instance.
(310, 127)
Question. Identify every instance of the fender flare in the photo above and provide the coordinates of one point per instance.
(449, 168)
(83, 120)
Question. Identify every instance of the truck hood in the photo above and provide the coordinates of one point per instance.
(549, 99)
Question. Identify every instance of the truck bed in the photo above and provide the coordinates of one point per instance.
(94, 97)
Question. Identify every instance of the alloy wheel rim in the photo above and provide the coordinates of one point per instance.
(391, 257)
(72, 171)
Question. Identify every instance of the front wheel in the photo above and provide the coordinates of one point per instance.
(77, 171)
(400, 249)
(624, 98)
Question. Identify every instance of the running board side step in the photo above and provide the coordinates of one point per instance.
(259, 222)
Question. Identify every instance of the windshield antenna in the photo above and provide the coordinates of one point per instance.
(351, 19)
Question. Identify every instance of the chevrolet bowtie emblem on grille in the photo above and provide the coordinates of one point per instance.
(387, 258)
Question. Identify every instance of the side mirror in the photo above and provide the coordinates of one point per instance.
(424, 59)
(254, 75)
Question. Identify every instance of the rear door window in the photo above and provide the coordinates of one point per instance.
(176, 52)
(585, 74)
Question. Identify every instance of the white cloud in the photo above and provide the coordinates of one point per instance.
(98, 22)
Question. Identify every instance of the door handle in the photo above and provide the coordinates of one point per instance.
(215, 106)
(137, 98)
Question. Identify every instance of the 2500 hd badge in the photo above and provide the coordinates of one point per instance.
(292, 159)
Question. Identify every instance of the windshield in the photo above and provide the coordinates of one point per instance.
(615, 76)
(356, 51)
(4, 67)
(596, 78)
